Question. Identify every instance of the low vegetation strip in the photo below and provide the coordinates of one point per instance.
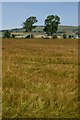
(40, 78)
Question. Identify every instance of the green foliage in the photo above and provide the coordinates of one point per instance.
(7, 34)
(51, 24)
(28, 24)
(70, 36)
(64, 36)
(13, 36)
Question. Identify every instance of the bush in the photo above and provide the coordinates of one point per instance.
(7, 34)
(13, 36)
(64, 36)
(70, 36)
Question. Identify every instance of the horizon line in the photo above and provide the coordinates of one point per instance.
(36, 26)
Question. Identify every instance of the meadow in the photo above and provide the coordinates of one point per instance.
(40, 78)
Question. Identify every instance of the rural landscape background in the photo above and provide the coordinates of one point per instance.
(40, 61)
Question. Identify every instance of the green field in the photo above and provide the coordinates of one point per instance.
(40, 78)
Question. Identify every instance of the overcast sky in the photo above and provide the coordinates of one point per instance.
(15, 13)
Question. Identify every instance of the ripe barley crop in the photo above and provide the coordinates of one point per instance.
(40, 78)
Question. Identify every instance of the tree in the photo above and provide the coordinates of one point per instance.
(64, 36)
(7, 34)
(28, 24)
(51, 24)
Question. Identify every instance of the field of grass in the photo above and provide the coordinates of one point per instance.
(40, 78)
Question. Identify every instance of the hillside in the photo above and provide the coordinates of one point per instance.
(39, 29)
(68, 28)
(62, 28)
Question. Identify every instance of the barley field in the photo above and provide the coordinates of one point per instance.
(40, 78)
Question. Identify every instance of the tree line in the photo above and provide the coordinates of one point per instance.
(50, 25)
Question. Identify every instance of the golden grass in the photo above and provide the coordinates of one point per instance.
(40, 78)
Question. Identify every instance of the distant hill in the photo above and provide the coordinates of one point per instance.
(39, 29)
(68, 28)
(61, 28)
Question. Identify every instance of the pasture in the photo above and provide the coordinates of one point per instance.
(40, 78)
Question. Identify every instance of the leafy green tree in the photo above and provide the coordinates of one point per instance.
(28, 24)
(7, 34)
(51, 24)
(64, 36)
